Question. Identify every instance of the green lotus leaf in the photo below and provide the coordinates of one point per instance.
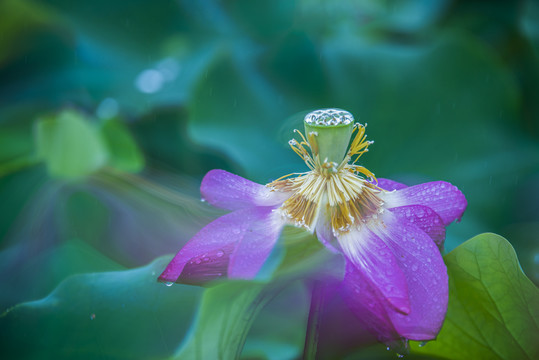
(493, 310)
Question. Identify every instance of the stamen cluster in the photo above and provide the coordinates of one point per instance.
(346, 192)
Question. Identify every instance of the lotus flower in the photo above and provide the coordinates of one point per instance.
(390, 234)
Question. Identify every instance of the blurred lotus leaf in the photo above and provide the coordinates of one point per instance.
(101, 315)
(70, 146)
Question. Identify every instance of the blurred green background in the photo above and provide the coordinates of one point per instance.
(112, 112)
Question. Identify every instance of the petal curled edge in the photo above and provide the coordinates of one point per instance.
(228, 191)
(371, 256)
(426, 277)
(442, 197)
(236, 244)
(424, 218)
(390, 185)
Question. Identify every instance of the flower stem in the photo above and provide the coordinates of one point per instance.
(313, 323)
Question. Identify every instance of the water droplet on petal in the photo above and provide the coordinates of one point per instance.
(169, 283)
(220, 253)
(423, 343)
(414, 267)
(198, 261)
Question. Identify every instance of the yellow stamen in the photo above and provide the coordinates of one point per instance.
(345, 189)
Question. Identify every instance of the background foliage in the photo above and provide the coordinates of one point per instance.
(111, 113)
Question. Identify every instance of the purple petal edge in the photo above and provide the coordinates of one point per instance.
(424, 218)
(228, 191)
(256, 245)
(442, 197)
(426, 277)
(372, 257)
(249, 232)
(390, 185)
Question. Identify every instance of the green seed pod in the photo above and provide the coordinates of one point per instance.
(328, 132)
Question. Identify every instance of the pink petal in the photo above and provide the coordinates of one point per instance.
(224, 247)
(228, 191)
(424, 218)
(390, 185)
(375, 260)
(206, 267)
(442, 197)
(426, 278)
(367, 303)
(255, 245)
